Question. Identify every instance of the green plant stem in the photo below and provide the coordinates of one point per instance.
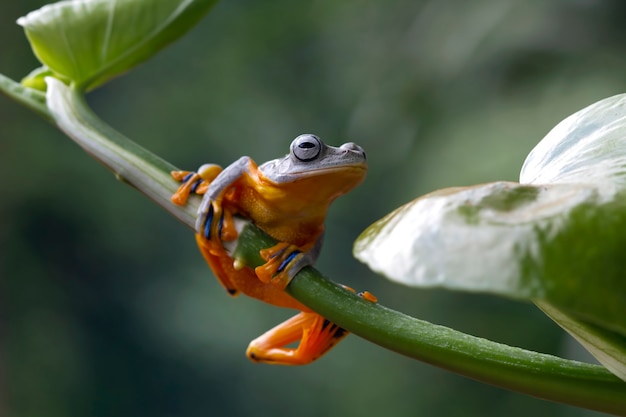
(536, 374)
(33, 99)
(128, 161)
(544, 376)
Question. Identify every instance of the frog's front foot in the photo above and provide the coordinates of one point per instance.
(283, 262)
(214, 223)
(193, 182)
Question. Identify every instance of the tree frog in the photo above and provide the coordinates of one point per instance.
(288, 199)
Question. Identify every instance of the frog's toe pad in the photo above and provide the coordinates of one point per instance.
(366, 295)
(191, 182)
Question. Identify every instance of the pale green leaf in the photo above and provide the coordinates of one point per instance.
(86, 42)
(587, 147)
(557, 238)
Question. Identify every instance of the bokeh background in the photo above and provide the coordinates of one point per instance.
(107, 309)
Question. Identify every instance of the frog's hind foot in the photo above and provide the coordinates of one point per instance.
(316, 335)
(283, 262)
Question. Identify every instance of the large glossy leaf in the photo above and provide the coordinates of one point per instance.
(87, 42)
(558, 237)
(587, 147)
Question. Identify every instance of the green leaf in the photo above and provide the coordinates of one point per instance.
(587, 147)
(557, 238)
(87, 42)
(37, 78)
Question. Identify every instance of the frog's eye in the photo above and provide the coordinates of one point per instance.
(306, 147)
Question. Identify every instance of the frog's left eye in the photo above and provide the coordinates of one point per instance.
(306, 147)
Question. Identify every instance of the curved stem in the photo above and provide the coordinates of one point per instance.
(33, 99)
(129, 162)
(537, 374)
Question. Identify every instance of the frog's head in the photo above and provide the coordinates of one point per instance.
(314, 174)
(304, 183)
(310, 157)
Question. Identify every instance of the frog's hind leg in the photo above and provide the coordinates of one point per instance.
(316, 334)
(220, 262)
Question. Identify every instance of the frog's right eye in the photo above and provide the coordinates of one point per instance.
(306, 148)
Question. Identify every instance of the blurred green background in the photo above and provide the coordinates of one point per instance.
(106, 307)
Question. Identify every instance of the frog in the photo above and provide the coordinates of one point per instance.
(287, 198)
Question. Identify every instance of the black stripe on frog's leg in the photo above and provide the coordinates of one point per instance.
(207, 224)
(337, 331)
(340, 332)
(195, 185)
(220, 226)
(187, 177)
(288, 259)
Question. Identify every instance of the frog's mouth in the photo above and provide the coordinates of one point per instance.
(339, 170)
